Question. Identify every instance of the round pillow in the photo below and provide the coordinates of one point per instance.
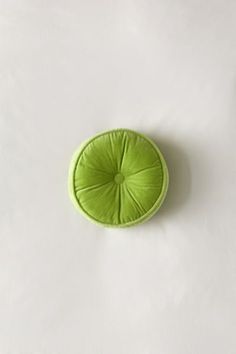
(118, 178)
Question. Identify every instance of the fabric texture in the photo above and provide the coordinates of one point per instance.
(118, 178)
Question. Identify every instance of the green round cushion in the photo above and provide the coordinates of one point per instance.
(118, 178)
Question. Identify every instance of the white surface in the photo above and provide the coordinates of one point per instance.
(70, 69)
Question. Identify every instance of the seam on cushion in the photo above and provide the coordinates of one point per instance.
(134, 182)
(94, 186)
(135, 201)
(123, 151)
(98, 170)
(146, 168)
(119, 204)
(146, 186)
(91, 197)
(112, 149)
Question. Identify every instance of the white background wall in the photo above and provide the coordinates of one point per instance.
(70, 69)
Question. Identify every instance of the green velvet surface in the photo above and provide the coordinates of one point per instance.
(118, 178)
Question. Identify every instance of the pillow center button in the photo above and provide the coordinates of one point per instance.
(119, 178)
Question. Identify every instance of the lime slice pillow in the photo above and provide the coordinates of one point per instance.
(118, 178)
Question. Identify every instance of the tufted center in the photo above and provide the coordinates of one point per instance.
(119, 178)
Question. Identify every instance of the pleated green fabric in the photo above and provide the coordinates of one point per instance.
(118, 178)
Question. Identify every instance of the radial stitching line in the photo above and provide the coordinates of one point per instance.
(112, 160)
(119, 204)
(96, 186)
(98, 170)
(123, 151)
(144, 169)
(135, 201)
